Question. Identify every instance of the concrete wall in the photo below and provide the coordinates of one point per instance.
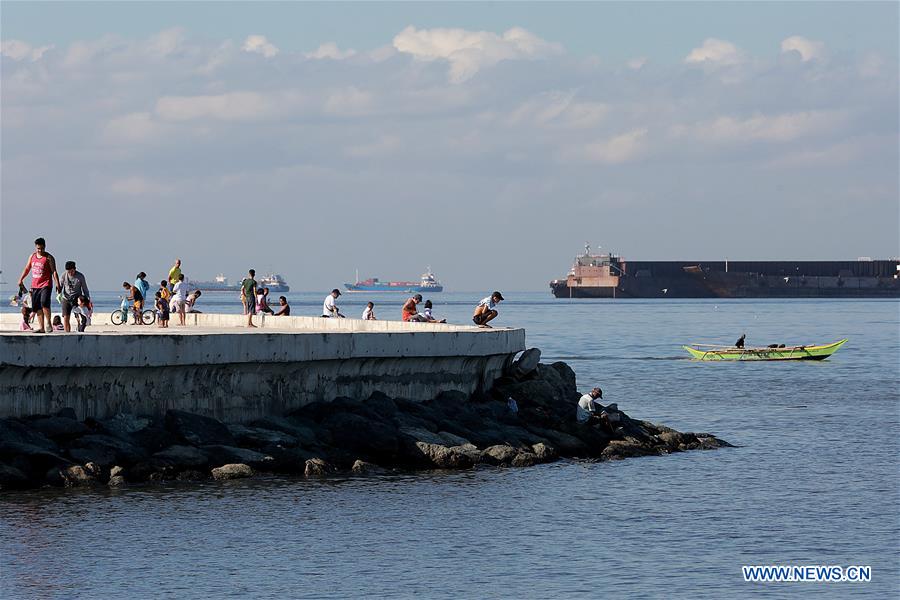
(239, 375)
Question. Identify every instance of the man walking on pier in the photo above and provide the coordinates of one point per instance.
(43, 274)
(73, 286)
(487, 309)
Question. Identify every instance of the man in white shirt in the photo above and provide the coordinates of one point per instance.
(179, 298)
(487, 309)
(586, 407)
(329, 308)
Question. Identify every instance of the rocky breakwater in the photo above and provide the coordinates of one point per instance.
(372, 435)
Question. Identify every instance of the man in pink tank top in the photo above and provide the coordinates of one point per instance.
(42, 266)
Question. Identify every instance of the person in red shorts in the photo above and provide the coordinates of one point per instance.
(43, 275)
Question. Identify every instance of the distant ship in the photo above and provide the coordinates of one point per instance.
(608, 275)
(273, 281)
(427, 283)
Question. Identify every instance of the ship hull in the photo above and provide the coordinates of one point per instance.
(772, 279)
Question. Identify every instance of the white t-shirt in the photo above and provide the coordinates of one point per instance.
(585, 408)
(368, 314)
(179, 291)
(84, 311)
(489, 302)
(329, 309)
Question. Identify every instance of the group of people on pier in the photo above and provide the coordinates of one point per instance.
(176, 295)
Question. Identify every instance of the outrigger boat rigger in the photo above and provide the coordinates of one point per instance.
(708, 352)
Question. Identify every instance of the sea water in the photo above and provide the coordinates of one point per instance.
(813, 480)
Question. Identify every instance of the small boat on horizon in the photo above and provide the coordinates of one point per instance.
(808, 352)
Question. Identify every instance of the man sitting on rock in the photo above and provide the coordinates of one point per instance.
(589, 412)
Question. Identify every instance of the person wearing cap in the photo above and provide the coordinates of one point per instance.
(73, 286)
(329, 308)
(487, 309)
(409, 312)
(588, 411)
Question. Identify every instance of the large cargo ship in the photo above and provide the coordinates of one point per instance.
(427, 283)
(608, 275)
(273, 281)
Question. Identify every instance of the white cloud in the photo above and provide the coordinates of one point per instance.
(637, 63)
(330, 50)
(808, 49)
(470, 51)
(715, 52)
(619, 149)
(232, 106)
(349, 102)
(138, 186)
(260, 45)
(772, 128)
(19, 50)
(165, 43)
(558, 109)
(136, 127)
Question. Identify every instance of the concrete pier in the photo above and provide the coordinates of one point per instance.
(216, 367)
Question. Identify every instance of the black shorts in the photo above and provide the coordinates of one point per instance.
(480, 319)
(67, 305)
(40, 298)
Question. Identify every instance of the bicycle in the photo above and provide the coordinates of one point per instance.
(120, 316)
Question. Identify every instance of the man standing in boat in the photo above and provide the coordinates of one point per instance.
(487, 309)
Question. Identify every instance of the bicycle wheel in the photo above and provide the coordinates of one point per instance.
(148, 317)
(118, 317)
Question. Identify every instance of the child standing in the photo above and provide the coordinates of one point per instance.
(162, 309)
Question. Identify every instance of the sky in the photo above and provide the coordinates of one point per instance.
(489, 141)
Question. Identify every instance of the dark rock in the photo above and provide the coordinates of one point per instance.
(365, 468)
(568, 445)
(151, 469)
(232, 471)
(289, 460)
(96, 454)
(153, 439)
(629, 447)
(12, 478)
(81, 476)
(527, 362)
(33, 461)
(59, 428)
(101, 446)
(255, 437)
(442, 457)
(183, 457)
(198, 430)
(300, 429)
(544, 453)
(14, 431)
(222, 455)
(190, 475)
(116, 471)
(501, 454)
(117, 481)
(373, 440)
(567, 375)
(524, 459)
(124, 425)
(316, 467)
(67, 413)
(382, 405)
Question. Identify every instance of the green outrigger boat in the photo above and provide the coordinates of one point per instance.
(707, 352)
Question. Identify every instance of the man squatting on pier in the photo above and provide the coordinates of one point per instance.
(487, 309)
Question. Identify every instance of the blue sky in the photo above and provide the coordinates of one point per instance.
(489, 141)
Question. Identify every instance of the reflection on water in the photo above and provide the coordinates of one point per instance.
(813, 481)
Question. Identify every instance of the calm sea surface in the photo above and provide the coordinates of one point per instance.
(813, 481)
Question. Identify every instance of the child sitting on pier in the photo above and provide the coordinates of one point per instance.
(428, 316)
(369, 312)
